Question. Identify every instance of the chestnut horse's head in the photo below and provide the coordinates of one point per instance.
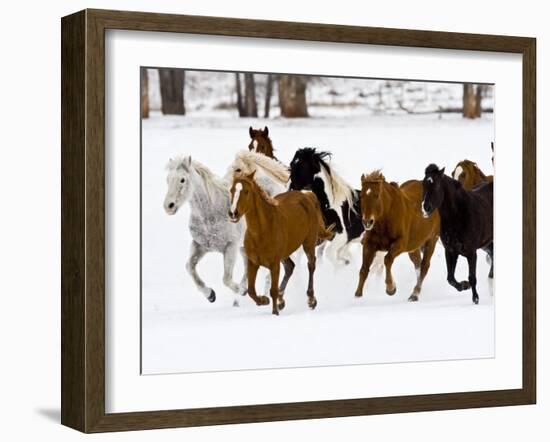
(241, 196)
(469, 174)
(372, 204)
(432, 189)
(260, 141)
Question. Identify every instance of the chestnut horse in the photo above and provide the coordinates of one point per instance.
(275, 228)
(394, 223)
(470, 175)
(260, 142)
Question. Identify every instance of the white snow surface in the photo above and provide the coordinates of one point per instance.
(183, 332)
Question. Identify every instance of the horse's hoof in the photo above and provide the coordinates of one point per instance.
(281, 304)
(245, 292)
(476, 300)
(413, 298)
(263, 300)
(235, 303)
(464, 285)
(391, 291)
(212, 296)
(347, 262)
(312, 303)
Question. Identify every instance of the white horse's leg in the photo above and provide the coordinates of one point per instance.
(196, 254)
(243, 286)
(321, 250)
(333, 249)
(229, 257)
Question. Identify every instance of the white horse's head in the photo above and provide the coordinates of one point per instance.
(180, 184)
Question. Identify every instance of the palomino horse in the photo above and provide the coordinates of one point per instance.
(275, 228)
(393, 223)
(466, 222)
(260, 142)
(189, 180)
(270, 174)
(340, 203)
(470, 175)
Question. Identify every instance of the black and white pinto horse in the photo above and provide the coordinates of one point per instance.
(466, 222)
(340, 203)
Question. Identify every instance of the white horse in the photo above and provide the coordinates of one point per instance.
(211, 230)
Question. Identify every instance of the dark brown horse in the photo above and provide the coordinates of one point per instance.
(393, 223)
(260, 142)
(470, 175)
(275, 228)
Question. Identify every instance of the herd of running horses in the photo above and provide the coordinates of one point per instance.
(265, 211)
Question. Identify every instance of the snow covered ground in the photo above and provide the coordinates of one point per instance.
(183, 332)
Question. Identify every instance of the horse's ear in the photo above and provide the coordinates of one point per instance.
(187, 162)
(363, 179)
(441, 171)
(251, 132)
(251, 176)
(266, 131)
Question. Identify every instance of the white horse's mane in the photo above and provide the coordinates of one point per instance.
(211, 181)
(273, 168)
(341, 190)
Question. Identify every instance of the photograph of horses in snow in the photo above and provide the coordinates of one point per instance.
(303, 221)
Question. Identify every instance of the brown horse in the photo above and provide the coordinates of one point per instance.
(260, 142)
(275, 228)
(394, 223)
(470, 175)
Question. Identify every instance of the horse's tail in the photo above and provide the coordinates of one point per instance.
(325, 233)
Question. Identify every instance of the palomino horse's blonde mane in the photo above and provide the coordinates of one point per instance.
(341, 191)
(253, 160)
(211, 181)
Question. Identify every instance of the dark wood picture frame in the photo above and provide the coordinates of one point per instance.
(83, 220)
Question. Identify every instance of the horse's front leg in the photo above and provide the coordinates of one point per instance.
(196, 254)
(274, 292)
(422, 270)
(395, 250)
(451, 259)
(252, 271)
(472, 262)
(229, 257)
(368, 256)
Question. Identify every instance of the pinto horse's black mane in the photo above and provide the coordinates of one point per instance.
(313, 154)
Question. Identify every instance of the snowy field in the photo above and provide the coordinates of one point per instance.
(183, 332)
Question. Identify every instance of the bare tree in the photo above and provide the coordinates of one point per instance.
(246, 105)
(468, 101)
(479, 96)
(240, 106)
(172, 86)
(268, 93)
(144, 87)
(250, 96)
(292, 96)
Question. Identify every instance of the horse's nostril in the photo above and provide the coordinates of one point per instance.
(171, 205)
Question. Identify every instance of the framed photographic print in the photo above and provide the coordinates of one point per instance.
(267, 221)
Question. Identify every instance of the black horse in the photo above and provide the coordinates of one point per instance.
(340, 204)
(466, 222)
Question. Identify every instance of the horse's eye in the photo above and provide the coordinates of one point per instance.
(237, 170)
(182, 180)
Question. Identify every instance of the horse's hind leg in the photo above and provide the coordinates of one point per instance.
(229, 257)
(242, 284)
(472, 262)
(309, 250)
(274, 292)
(489, 251)
(421, 273)
(196, 254)
(288, 265)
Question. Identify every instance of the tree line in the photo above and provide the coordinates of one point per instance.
(291, 91)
